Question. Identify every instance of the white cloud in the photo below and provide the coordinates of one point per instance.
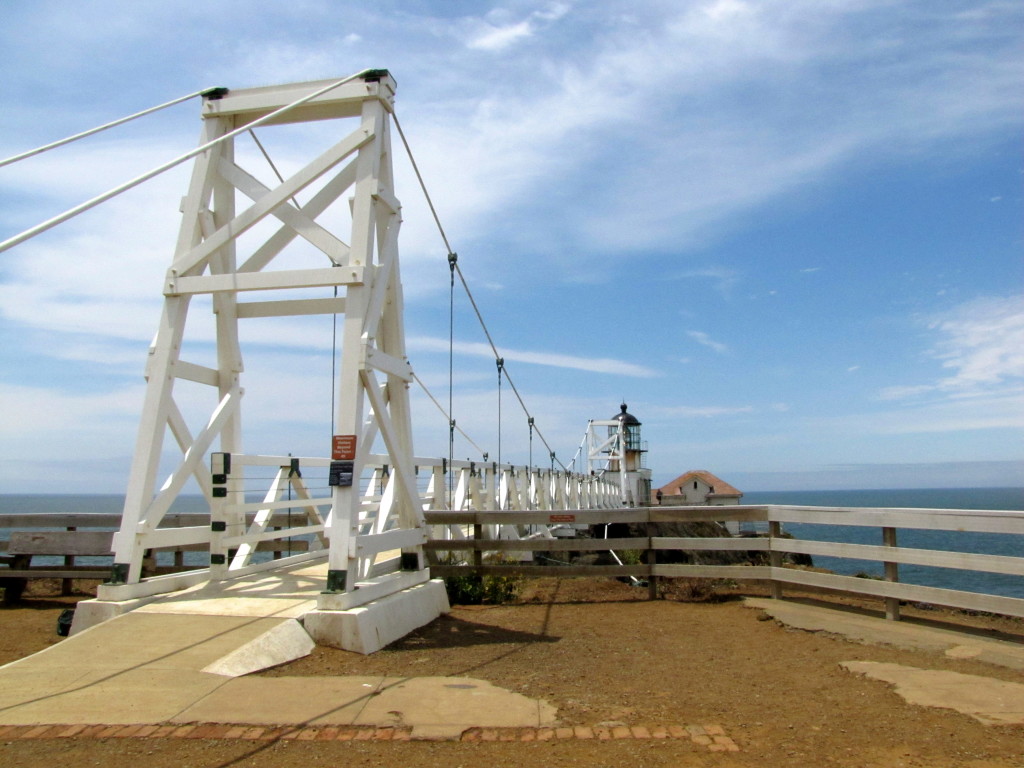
(495, 34)
(699, 411)
(724, 278)
(1002, 411)
(705, 340)
(592, 364)
(497, 38)
(981, 343)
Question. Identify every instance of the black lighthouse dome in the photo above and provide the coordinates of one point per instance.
(626, 417)
(631, 426)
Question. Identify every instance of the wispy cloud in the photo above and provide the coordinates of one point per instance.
(496, 32)
(723, 278)
(981, 343)
(706, 341)
(555, 360)
(700, 411)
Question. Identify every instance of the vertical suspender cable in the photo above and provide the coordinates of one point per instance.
(334, 363)
(529, 487)
(453, 259)
(500, 362)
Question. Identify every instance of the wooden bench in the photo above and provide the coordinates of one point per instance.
(72, 543)
(24, 545)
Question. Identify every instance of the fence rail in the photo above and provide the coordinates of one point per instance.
(470, 535)
(486, 532)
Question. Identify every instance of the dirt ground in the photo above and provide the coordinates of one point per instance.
(602, 653)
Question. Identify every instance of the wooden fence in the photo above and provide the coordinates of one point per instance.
(489, 532)
(469, 536)
(70, 537)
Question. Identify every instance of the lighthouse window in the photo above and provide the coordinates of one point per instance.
(695, 485)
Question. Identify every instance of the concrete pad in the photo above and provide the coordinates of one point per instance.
(89, 613)
(280, 644)
(141, 639)
(136, 668)
(287, 593)
(900, 634)
(132, 697)
(370, 627)
(453, 704)
(992, 702)
(285, 701)
(19, 686)
(454, 701)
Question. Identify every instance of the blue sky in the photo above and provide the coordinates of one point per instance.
(787, 233)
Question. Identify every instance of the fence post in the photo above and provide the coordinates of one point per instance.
(774, 557)
(892, 573)
(478, 554)
(651, 558)
(69, 561)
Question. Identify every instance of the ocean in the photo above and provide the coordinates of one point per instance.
(946, 498)
(931, 498)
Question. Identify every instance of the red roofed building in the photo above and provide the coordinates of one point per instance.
(701, 489)
(697, 488)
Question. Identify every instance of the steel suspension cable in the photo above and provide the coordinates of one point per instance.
(452, 261)
(101, 128)
(93, 202)
(440, 408)
(452, 258)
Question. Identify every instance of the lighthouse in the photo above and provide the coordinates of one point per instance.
(620, 452)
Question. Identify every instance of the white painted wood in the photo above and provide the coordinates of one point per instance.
(196, 257)
(197, 373)
(936, 520)
(344, 101)
(291, 308)
(317, 205)
(263, 281)
(1008, 606)
(390, 540)
(287, 212)
(753, 544)
(937, 558)
(372, 589)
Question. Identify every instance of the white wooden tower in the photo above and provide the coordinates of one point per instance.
(231, 251)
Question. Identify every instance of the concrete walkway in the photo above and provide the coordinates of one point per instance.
(900, 634)
(989, 700)
(184, 659)
(181, 659)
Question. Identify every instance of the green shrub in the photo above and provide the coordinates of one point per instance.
(473, 589)
(631, 556)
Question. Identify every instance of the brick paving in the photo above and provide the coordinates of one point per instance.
(711, 737)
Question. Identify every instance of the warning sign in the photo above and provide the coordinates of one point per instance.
(343, 448)
(562, 518)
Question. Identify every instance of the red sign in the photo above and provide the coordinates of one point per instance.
(562, 518)
(343, 448)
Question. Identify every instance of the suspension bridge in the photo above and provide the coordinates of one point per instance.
(249, 250)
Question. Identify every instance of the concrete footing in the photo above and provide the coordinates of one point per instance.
(89, 613)
(370, 627)
(283, 643)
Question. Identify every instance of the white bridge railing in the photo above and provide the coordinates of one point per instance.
(295, 489)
